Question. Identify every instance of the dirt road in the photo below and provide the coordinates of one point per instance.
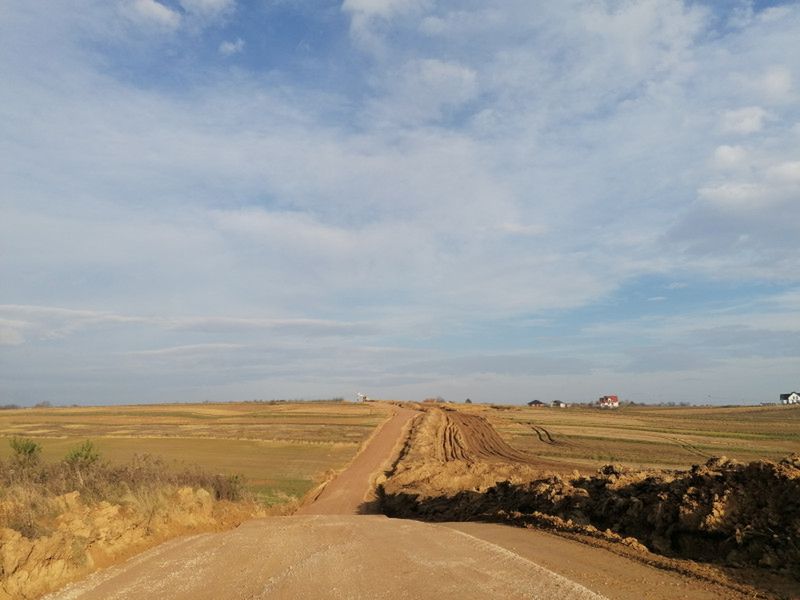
(330, 551)
(337, 556)
(349, 493)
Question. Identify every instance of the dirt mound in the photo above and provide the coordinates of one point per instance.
(723, 511)
(471, 437)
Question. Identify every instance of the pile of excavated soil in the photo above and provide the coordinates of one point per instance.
(447, 452)
(724, 512)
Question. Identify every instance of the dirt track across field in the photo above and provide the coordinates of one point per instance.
(349, 493)
(328, 551)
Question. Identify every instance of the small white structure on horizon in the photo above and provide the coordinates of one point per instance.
(361, 397)
(790, 398)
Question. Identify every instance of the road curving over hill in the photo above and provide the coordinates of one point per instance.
(330, 549)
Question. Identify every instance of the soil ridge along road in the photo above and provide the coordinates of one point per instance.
(329, 550)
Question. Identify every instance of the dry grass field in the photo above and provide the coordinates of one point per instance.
(282, 449)
(648, 437)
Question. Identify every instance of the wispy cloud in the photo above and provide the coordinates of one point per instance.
(192, 350)
(152, 12)
(744, 120)
(229, 48)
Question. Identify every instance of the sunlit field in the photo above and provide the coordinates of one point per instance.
(282, 449)
(586, 438)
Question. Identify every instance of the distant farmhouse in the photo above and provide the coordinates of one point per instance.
(559, 404)
(536, 403)
(608, 402)
(790, 398)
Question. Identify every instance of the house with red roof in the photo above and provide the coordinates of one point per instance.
(608, 402)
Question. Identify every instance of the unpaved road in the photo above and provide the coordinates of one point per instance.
(339, 556)
(350, 492)
(330, 551)
(609, 574)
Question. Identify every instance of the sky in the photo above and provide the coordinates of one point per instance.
(495, 199)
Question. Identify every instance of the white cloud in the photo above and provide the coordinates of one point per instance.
(53, 323)
(461, 22)
(153, 13)
(368, 17)
(729, 157)
(515, 228)
(50, 323)
(11, 332)
(187, 351)
(384, 9)
(737, 196)
(424, 90)
(285, 228)
(208, 8)
(744, 120)
(229, 48)
(777, 83)
(786, 172)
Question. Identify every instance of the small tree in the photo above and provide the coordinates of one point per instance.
(467, 401)
(82, 458)
(26, 452)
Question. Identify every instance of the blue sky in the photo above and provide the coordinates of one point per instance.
(502, 200)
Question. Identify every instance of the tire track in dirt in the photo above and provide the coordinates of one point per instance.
(690, 448)
(543, 435)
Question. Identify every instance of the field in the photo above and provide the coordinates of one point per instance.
(648, 437)
(282, 449)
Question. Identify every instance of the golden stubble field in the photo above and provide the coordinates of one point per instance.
(646, 437)
(282, 449)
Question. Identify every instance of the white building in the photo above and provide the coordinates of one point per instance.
(790, 398)
(608, 402)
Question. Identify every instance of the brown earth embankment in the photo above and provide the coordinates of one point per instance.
(722, 512)
(60, 521)
(86, 536)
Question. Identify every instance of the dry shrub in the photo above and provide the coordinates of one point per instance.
(29, 488)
